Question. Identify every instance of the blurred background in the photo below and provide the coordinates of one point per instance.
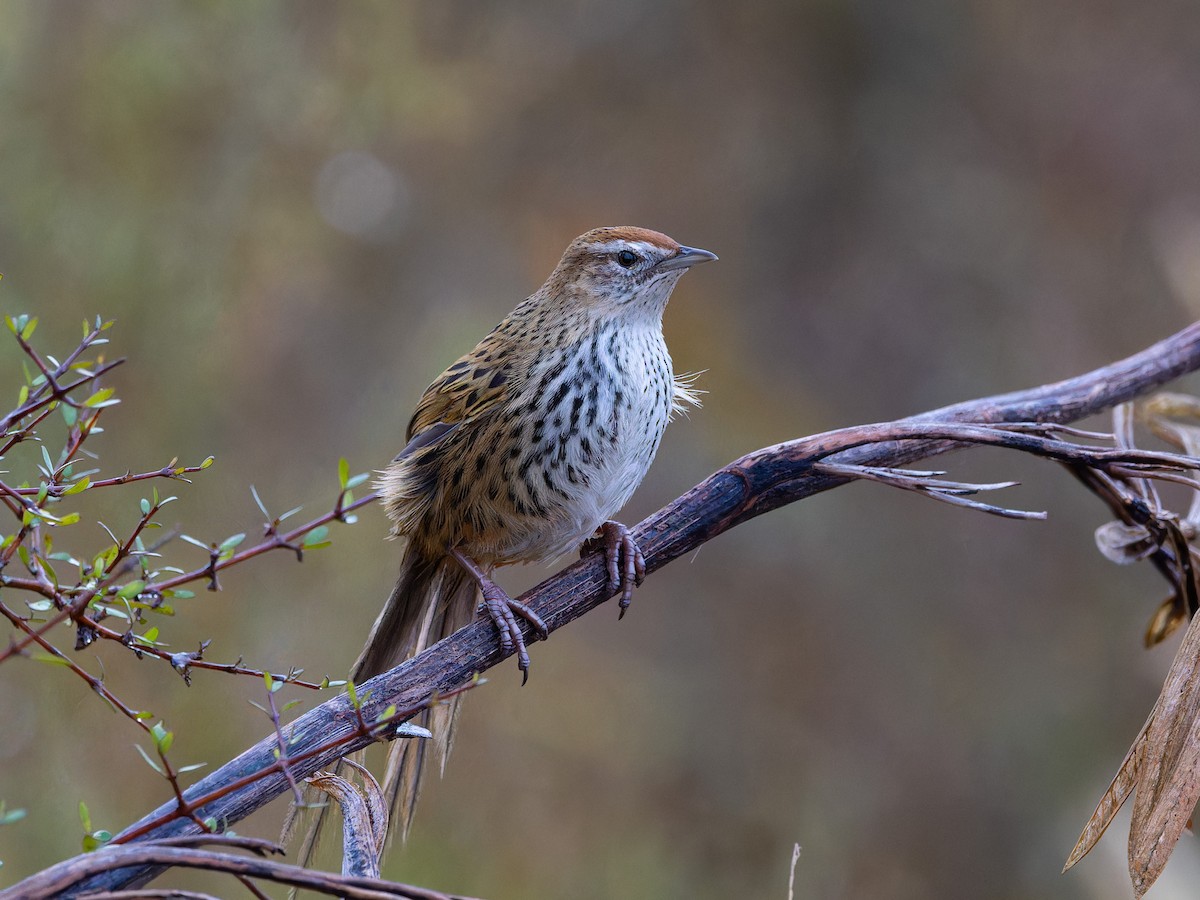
(299, 213)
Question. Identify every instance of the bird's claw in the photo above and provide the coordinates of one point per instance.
(624, 559)
(503, 610)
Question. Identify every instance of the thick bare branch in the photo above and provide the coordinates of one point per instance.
(63, 879)
(757, 483)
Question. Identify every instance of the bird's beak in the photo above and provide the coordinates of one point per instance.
(685, 258)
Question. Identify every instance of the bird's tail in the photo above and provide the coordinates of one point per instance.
(433, 598)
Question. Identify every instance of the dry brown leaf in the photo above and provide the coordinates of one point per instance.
(1167, 767)
(364, 819)
(1165, 622)
(1114, 798)
(1125, 544)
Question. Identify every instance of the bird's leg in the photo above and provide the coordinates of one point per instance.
(503, 611)
(626, 564)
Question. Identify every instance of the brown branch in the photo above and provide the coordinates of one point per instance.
(757, 483)
(64, 878)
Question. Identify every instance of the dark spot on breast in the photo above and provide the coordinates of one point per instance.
(498, 379)
(559, 393)
(553, 372)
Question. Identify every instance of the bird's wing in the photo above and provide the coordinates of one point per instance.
(472, 385)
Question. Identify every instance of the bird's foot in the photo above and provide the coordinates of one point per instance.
(626, 564)
(503, 610)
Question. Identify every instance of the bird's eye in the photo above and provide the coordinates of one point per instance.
(627, 258)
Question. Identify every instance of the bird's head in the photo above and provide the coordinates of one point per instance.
(622, 270)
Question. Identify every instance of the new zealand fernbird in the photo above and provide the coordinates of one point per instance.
(523, 449)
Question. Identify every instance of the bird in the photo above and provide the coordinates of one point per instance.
(524, 449)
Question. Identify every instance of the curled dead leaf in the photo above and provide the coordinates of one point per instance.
(1125, 544)
(364, 818)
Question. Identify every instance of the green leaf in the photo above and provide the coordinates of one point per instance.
(131, 590)
(356, 480)
(316, 536)
(192, 768)
(69, 414)
(96, 840)
(39, 605)
(50, 658)
(230, 543)
(162, 738)
(85, 818)
(68, 519)
(102, 561)
(27, 331)
(99, 397)
(145, 507)
(208, 462)
(150, 636)
(343, 472)
(78, 487)
(8, 817)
